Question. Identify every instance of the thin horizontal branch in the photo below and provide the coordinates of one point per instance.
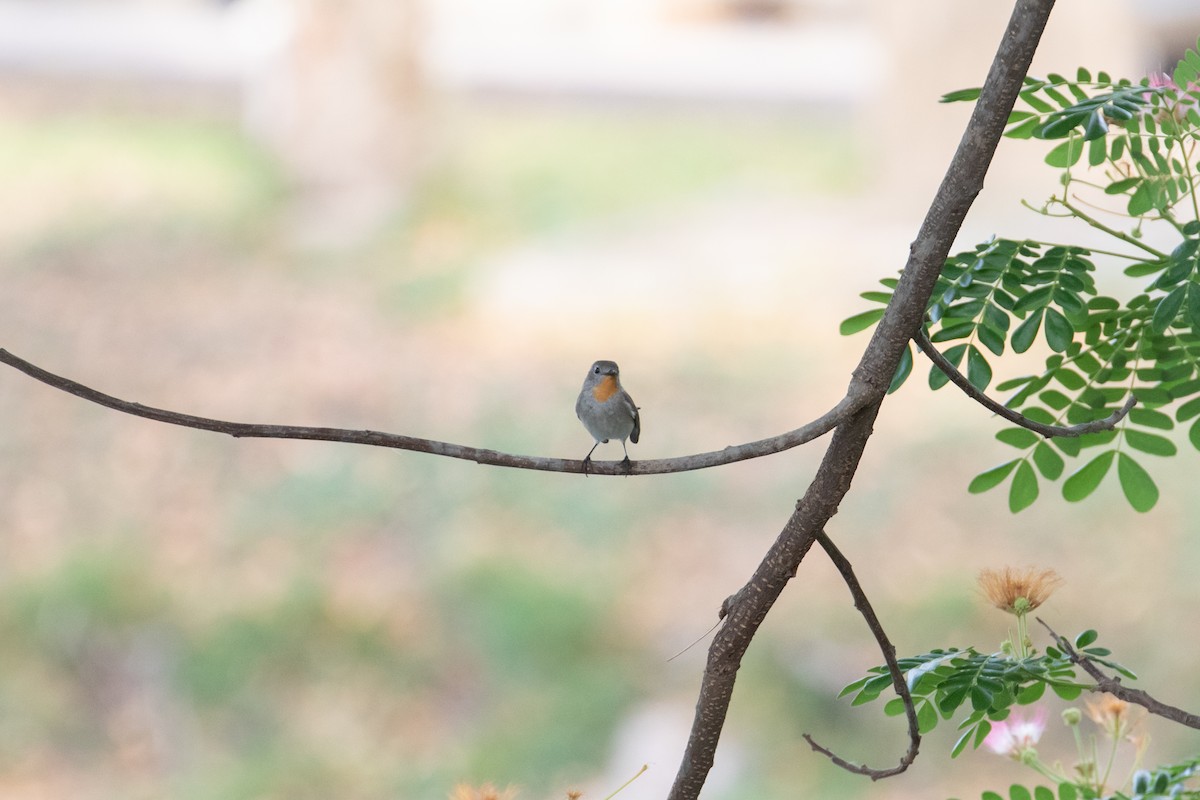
(863, 604)
(775, 444)
(1066, 432)
(1113, 686)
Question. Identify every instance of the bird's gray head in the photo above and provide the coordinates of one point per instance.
(602, 368)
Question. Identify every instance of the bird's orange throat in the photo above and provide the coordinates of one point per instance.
(605, 389)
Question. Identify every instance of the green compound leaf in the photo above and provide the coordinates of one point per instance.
(1048, 462)
(1031, 693)
(860, 322)
(992, 478)
(1024, 129)
(959, 330)
(1151, 443)
(1122, 186)
(960, 95)
(1188, 410)
(1083, 481)
(1014, 383)
(1066, 154)
(1142, 199)
(991, 339)
(1059, 332)
(1194, 434)
(965, 739)
(937, 378)
(1069, 378)
(927, 718)
(1193, 306)
(979, 372)
(1137, 484)
(1024, 488)
(1151, 419)
(1055, 399)
(902, 370)
(1067, 691)
(1025, 334)
(994, 317)
(1037, 298)
(1144, 268)
(1019, 438)
(1168, 309)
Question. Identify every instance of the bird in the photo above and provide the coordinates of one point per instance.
(607, 410)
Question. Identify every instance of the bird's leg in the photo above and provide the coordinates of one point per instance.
(587, 460)
(626, 463)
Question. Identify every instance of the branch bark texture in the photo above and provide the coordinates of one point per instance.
(963, 181)
(1113, 685)
(1015, 417)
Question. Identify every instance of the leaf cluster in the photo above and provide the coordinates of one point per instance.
(1165, 783)
(1066, 791)
(945, 680)
(1019, 295)
(1136, 128)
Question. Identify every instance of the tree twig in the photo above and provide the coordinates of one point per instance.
(1113, 685)
(1068, 431)
(775, 444)
(963, 180)
(863, 604)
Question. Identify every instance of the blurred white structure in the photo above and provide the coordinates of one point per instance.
(161, 42)
(338, 88)
(797, 51)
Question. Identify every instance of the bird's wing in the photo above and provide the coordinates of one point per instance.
(637, 421)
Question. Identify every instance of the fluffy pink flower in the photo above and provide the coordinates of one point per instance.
(1017, 734)
(1159, 80)
(1162, 80)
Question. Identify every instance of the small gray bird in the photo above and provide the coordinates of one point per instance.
(607, 410)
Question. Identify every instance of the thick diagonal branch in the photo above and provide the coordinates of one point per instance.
(746, 610)
(963, 181)
(763, 447)
(1068, 431)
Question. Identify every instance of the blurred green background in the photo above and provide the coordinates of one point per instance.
(188, 616)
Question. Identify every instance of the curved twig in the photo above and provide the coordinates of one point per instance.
(1066, 432)
(889, 655)
(1119, 690)
(823, 424)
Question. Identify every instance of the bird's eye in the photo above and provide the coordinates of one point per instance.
(596, 370)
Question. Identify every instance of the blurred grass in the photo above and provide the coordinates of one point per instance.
(194, 617)
(506, 174)
(523, 171)
(69, 178)
(353, 627)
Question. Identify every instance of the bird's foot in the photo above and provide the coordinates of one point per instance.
(587, 464)
(627, 465)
